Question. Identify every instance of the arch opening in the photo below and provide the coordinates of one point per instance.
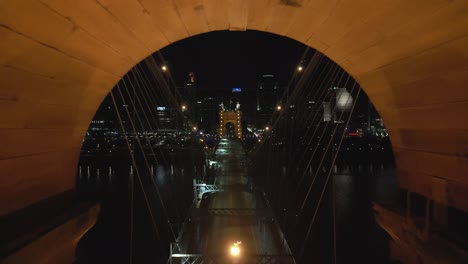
(267, 95)
(230, 129)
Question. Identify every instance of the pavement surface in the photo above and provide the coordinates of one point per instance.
(238, 213)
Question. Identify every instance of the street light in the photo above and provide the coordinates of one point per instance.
(278, 108)
(164, 68)
(267, 128)
(299, 68)
(194, 128)
(184, 107)
(235, 249)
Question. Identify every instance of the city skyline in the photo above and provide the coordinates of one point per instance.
(242, 66)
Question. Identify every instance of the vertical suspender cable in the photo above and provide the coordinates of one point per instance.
(329, 173)
(132, 156)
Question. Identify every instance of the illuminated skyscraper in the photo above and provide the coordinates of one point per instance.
(269, 95)
(189, 96)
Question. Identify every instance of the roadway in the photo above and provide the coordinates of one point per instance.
(238, 213)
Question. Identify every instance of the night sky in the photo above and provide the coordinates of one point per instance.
(222, 60)
(227, 59)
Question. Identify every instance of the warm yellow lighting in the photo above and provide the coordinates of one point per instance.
(164, 68)
(299, 68)
(267, 128)
(235, 249)
(194, 128)
(278, 108)
(184, 107)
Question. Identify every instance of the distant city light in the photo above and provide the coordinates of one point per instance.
(184, 107)
(236, 90)
(164, 68)
(299, 68)
(267, 128)
(194, 128)
(278, 108)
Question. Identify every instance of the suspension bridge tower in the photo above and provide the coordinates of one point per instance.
(230, 122)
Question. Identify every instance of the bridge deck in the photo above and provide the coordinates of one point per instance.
(235, 214)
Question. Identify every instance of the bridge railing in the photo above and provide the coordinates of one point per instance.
(244, 212)
(279, 232)
(183, 258)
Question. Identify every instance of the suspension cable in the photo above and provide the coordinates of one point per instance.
(132, 123)
(329, 173)
(323, 157)
(132, 156)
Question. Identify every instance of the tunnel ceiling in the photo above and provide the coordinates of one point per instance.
(59, 58)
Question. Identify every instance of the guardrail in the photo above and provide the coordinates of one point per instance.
(283, 240)
(186, 258)
(231, 212)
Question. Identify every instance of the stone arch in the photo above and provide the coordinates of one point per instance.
(60, 58)
(230, 117)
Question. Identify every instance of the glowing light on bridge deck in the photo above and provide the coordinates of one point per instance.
(235, 249)
(164, 68)
(299, 68)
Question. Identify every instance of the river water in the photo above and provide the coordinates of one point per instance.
(345, 219)
(126, 228)
(346, 202)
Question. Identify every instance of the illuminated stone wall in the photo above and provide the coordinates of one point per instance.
(233, 117)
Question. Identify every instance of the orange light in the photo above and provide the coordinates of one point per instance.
(235, 249)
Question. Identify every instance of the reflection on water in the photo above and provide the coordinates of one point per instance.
(355, 185)
(358, 235)
(111, 182)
